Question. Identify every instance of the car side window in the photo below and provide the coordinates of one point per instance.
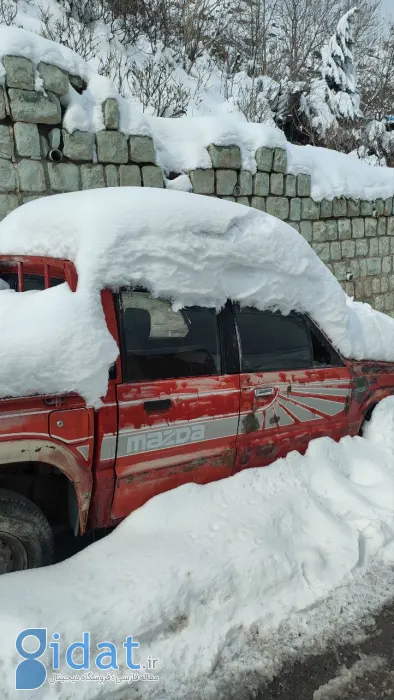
(324, 354)
(31, 282)
(160, 343)
(271, 342)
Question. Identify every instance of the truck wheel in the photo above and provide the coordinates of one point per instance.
(26, 539)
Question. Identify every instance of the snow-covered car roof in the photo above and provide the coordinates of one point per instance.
(189, 248)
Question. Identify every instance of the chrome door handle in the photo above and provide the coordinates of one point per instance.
(264, 391)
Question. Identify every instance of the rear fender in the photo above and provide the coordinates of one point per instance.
(57, 456)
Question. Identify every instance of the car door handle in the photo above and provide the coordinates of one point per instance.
(264, 391)
(159, 405)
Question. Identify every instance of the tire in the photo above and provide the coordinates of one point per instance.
(26, 538)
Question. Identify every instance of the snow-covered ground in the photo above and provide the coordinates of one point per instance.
(227, 579)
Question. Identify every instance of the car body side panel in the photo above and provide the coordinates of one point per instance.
(192, 440)
(302, 405)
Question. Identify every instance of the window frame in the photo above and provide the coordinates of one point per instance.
(224, 329)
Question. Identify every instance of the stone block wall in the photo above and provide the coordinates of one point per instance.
(38, 156)
(354, 238)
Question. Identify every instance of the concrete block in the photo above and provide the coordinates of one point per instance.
(226, 180)
(353, 207)
(344, 229)
(348, 249)
(2, 104)
(19, 72)
(31, 176)
(335, 251)
(92, 176)
(280, 160)
(8, 202)
(55, 79)
(339, 207)
(261, 183)
(258, 203)
(388, 206)
(366, 208)
(278, 206)
(78, 145)
(322, 250)
(245, 183)
(331, 229)
(141, 149)
(358, 228)
(112, 147)
(382, 226)
(111, 176)
(373, 247)
(63, 177)
(203, 181)
(264, 159)
(225, 157)
(374, 266)
(325, 209)
(27, 140)
(310, 209)
(130, 176)
(7, 176)
(306, 230)
(276, 184)
(6, 142)
(340, 271)
(371, 227)
(384, 246)
(304, 185)
(378, 209)
(295, 209)
(152, 176)
(34, 107)
(390, 226)
(290, 186)
(362, 247)
(319, 231)
(111, 113)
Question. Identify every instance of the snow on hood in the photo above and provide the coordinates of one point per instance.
(188, 248)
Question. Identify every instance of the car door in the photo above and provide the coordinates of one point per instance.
(178, 405)
(294, 386)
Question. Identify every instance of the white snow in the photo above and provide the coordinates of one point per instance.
(188, 248)
(54, 341)
(224, 580)
(339, 175)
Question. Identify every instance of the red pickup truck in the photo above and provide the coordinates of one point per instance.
(194, 396)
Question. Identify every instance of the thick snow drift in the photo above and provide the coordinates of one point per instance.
(188, 248)
(221, 580)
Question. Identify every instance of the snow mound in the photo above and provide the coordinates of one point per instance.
(207, 577)
(188, 248)
(336, 174)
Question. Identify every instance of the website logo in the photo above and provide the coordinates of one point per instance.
(32, 673)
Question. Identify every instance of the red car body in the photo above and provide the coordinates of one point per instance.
(150, 436)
